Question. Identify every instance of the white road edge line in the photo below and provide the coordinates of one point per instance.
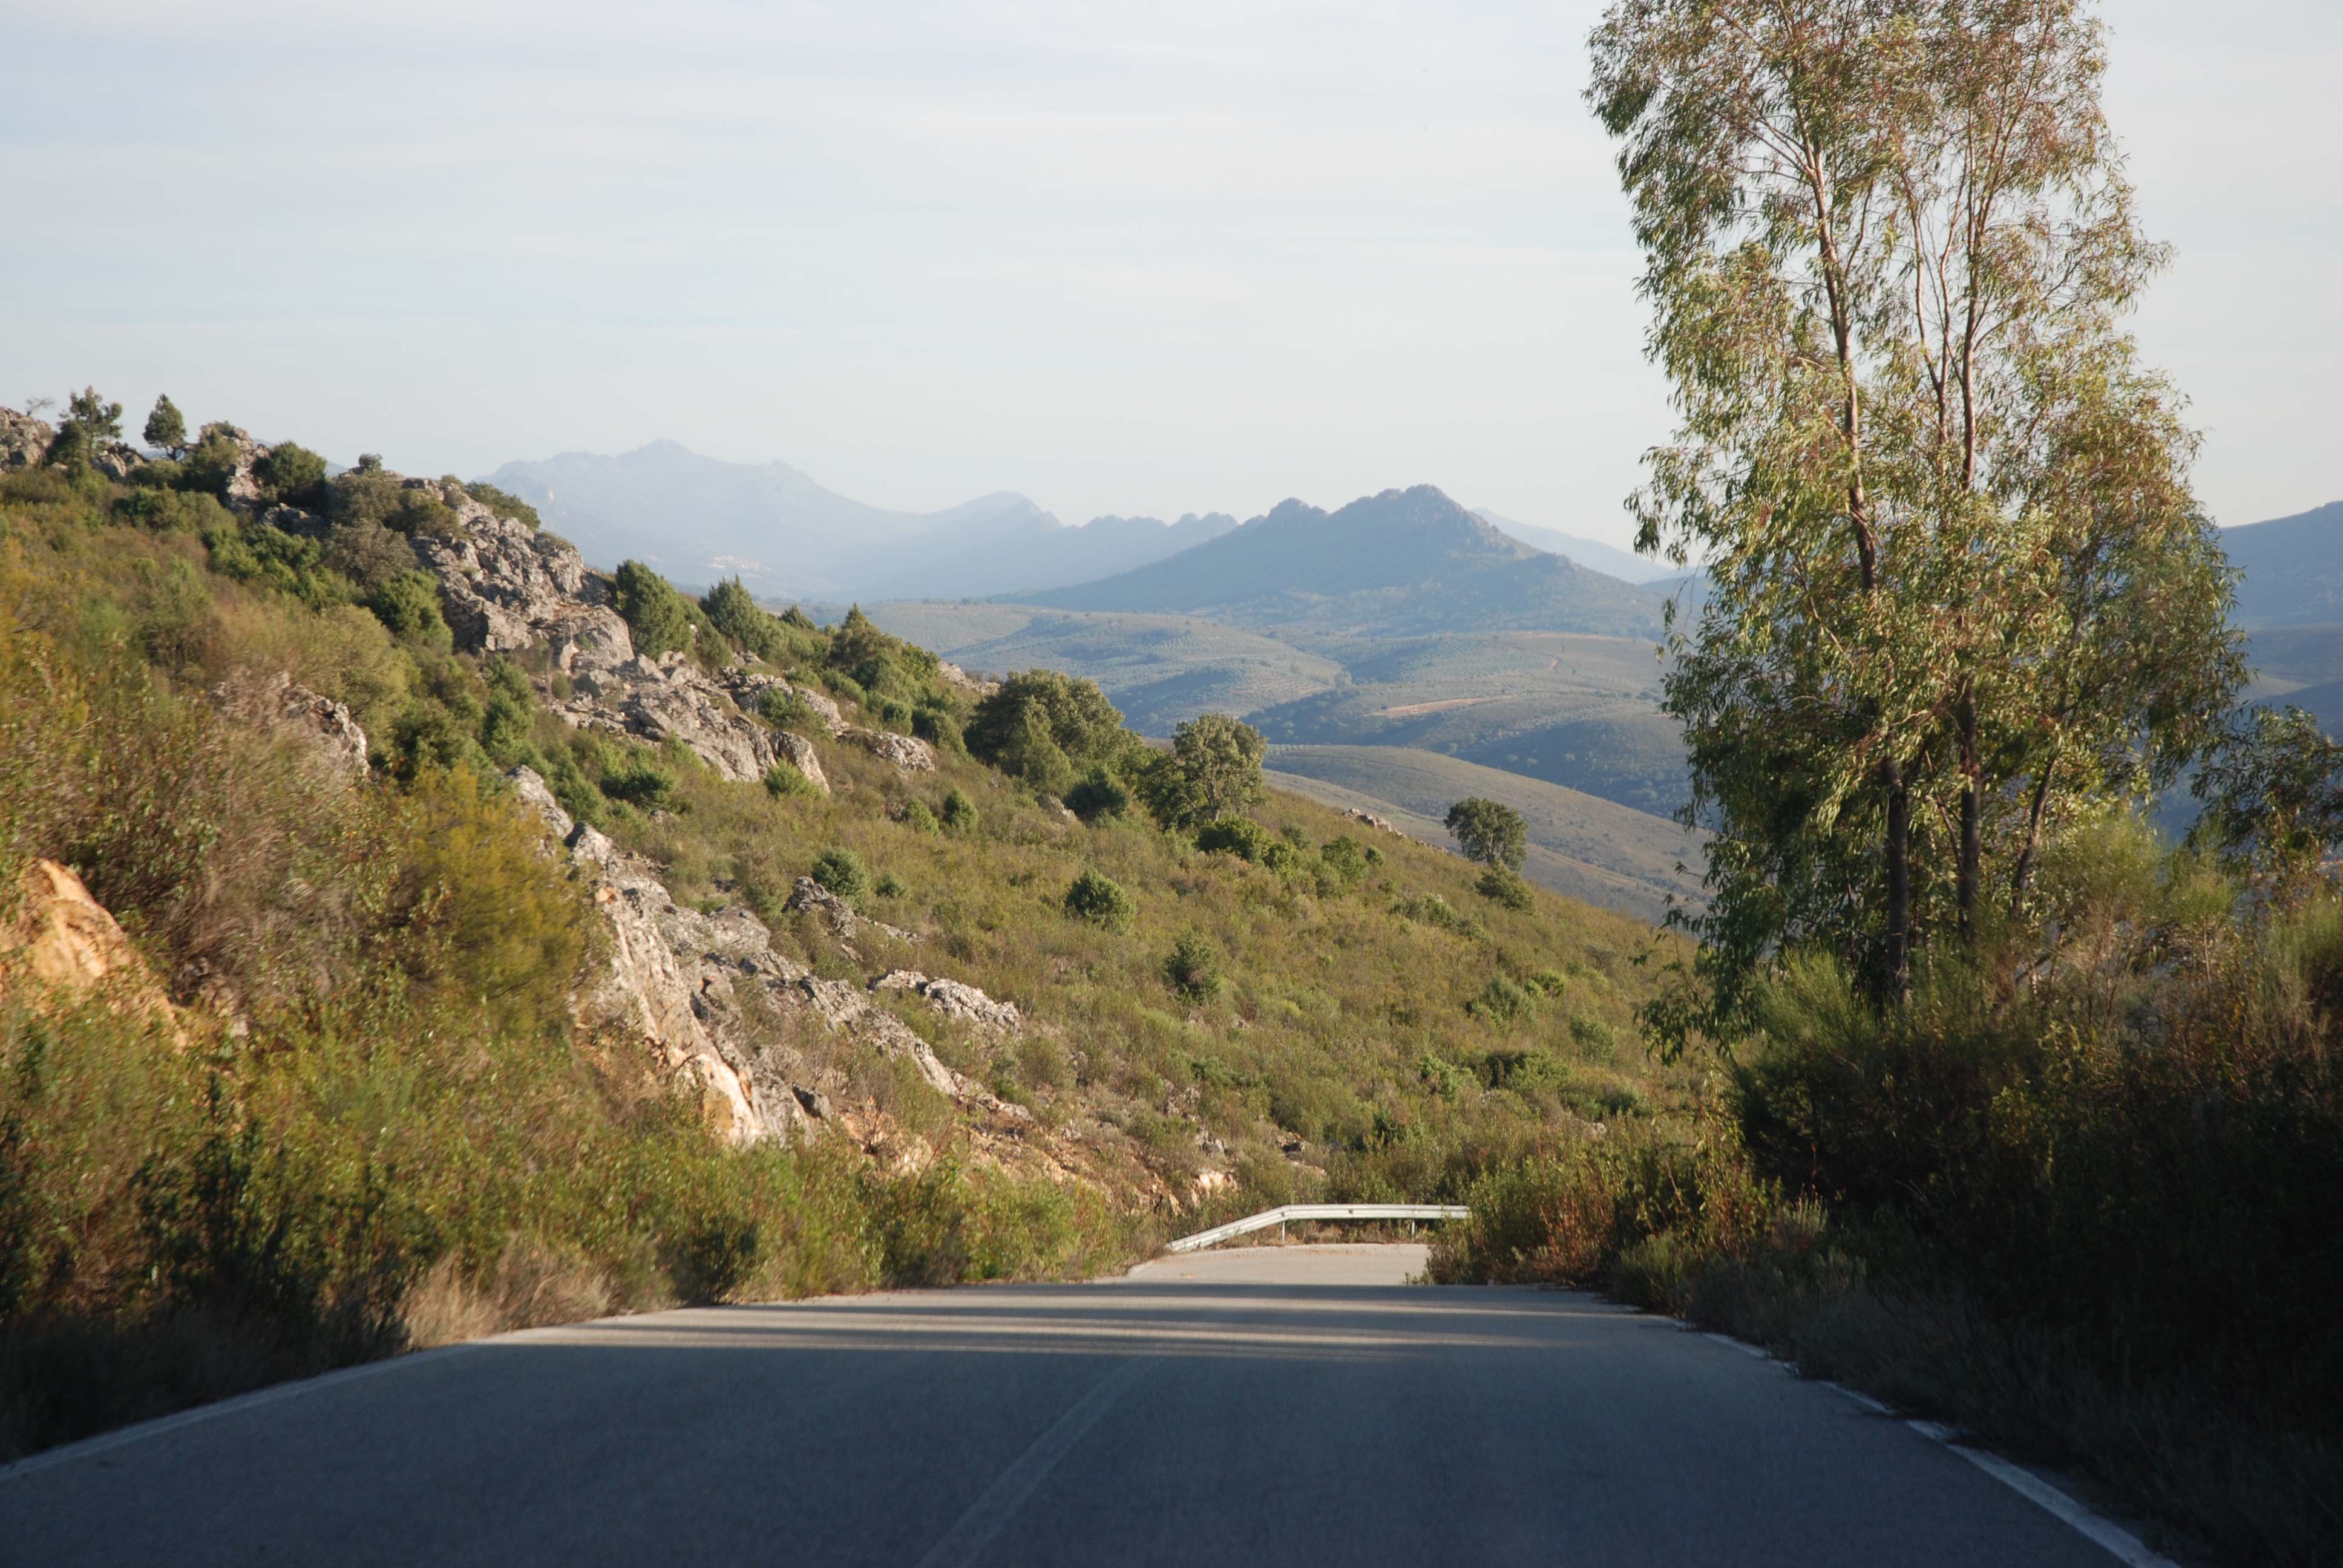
(991, 1511)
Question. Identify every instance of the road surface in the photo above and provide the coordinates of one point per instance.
(1266, 1406)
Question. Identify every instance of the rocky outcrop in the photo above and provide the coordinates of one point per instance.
(974, 688)
(504, 586)
(63, 941)
(668, 699)
(243, 489)
(798, 751)
(322, 728)
(1369, 820)
(842, 918)
(24, 440)
(907, 752)
(748, 688)
(954, 999)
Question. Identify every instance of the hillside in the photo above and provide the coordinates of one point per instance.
(1592, 554)
(2292, 568)
(1603, 851)
(1401, 563)
(699, 519)
(512, 942)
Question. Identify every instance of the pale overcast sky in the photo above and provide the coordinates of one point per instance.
(1121, 258)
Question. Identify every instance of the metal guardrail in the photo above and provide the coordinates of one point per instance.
(1278, 1217)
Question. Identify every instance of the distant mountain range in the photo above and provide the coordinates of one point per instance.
(700, 518)
(2293, 569)
(1399, 564)
(1592, 554)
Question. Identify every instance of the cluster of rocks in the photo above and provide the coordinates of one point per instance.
(24, 440)
(954, 999)
(713, 1001)
(323, 729)
(1369, 820)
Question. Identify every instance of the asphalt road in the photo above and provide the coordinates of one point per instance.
(1262, 1406)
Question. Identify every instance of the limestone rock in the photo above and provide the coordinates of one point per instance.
(321, 727)
(974, 688)
(1369, 819)
(837, 914)
(535, 793)
(954, 999)
(905, 751)
(503, 585)
(62, 939)
(242, 490)
(24, 440)
(798, 751)
(117, 461)
(749, 687)
(845, 1006)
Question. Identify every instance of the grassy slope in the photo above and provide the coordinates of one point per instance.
(451, 1158)
(1639, 850)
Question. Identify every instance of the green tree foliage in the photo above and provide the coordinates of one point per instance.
(1960, 588)
(1507, 886)
(958, 814)
(2272, 785)
(209, 467)
(842, 872)
(91, 421)
(291, 473)
(733, 612)
(369, 555)
(1489, 831)
(1093, 897)
(1213, 772)
(1045, 728)
(369, 494)
(1192, 969)
(654, 612)
(166, 428)
(503, 503)
(919, 819)
(408, 604)
(1096, 794)
(783, 780)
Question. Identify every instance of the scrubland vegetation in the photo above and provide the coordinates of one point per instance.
(375, 1122)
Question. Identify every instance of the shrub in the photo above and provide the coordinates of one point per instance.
(785, 709)
(889, 886)
(1490, 832)
(1239, 836)
(1042, 728)
(1503, 1002)
(654, 612)
(958, 814)
(1213, 772)
(1343, 856)
(1094, 897)
(292, 474)
(783, 781)
(641, 783)
(939, 727)
(1098, 793)
(842, 872)
(370, 555)
(1505, 887)
(919, 819)
(407, 604)
(733, 612)
(1594, 1036)
(503, 503)
(1193, 968)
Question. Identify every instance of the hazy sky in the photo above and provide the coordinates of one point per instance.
(1121, 258)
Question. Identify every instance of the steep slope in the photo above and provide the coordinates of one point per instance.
(1401, 563)
(1593, 554)
(2292, 567)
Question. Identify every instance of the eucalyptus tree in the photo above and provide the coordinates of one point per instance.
(1958, 580)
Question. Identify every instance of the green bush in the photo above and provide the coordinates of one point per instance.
(641, 783)
(407, 604)
(1044, 729)
(1092, 897)
(919, 819)
(1239, 836)
(889, 886)
(958, 814)
(654, 612)
(783, 781)
(1502, 1003)
(1593, 1037)
(1096, 794)
(503, 503)
(842, 872)
(1193, 968)
(1505, 887)
(292, 474)
(785, 709)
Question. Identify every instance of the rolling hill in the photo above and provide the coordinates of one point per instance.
(1599, 850)
(2292, 568)
(1592, 554)
(1401, 563)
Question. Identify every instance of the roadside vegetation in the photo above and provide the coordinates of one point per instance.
(2021, 1118)
(368, 1120)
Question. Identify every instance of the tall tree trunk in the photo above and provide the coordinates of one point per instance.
(1972, 812)
(1899, 881)
(2025, 877)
